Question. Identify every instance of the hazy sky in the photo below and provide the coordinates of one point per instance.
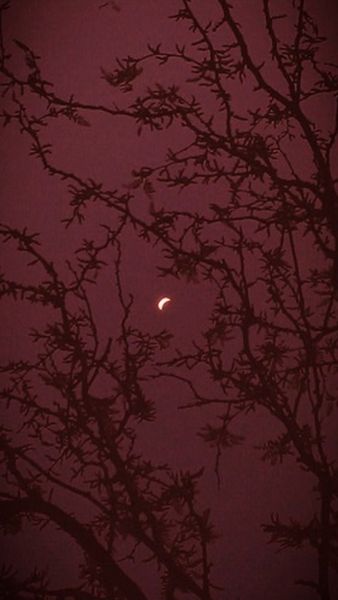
(75, 39)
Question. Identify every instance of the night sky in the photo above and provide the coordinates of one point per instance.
(78, 43)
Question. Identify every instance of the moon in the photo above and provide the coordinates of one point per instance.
(163, 302)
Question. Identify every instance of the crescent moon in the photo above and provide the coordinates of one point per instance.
(163, 302)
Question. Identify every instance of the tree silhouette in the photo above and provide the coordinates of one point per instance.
(266, 244)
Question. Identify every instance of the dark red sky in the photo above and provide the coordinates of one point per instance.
(75, 38)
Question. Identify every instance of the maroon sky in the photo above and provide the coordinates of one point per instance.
(75, 38)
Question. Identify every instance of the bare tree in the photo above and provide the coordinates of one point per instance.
(275, 307)
(82, 443)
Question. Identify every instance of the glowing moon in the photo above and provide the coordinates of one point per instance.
(163, 302)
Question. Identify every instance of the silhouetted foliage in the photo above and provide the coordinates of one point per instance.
(271, 343)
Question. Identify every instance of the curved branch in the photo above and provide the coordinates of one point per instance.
(111, 574)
